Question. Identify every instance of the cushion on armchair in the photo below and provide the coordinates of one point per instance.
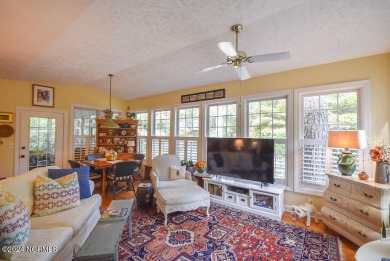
(177, 172)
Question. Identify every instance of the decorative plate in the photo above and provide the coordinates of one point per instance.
(123, 133)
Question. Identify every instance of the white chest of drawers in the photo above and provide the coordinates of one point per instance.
(356, 208)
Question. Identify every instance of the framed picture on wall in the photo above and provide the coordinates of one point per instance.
(6, 117)
(43, 96)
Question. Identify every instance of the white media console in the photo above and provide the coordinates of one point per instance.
(247, 196)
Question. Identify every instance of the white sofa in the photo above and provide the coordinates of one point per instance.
(66, 230)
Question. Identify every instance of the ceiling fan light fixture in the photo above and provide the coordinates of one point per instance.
(109, 123)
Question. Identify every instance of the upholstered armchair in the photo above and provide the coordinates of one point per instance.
(160, 174)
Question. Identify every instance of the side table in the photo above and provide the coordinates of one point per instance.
(199, 178)
(145, 193)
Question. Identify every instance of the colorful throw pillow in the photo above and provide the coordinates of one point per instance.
(51, 196)
(177, 172)
(83, 177)
(14, 221)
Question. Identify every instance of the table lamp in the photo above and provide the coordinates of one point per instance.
(352, 139)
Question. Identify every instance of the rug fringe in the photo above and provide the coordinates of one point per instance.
(341, 252)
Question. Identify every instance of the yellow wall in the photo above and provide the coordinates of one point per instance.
(18, 93)
(375, 68)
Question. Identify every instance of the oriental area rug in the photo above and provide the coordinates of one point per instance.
(227, 234)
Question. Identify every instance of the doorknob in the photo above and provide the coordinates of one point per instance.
(22, 156)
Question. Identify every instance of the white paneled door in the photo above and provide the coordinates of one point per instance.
(41, 139)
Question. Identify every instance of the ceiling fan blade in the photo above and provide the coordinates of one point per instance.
(243, 73)
(269, 57)
(213, 67)
(227, 48)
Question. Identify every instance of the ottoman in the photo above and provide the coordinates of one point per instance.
(181, 199)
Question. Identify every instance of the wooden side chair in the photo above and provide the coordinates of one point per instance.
(122, 172)
(95, 177)
(141, 158)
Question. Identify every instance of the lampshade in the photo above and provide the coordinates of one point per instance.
(109, 123)
(130, 143)
(353, 139)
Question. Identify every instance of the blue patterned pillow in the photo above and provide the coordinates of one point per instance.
(82, 175)
(14, 221)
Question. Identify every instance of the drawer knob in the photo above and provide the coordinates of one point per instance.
(333, 199)
(363, 212)
(367, 195)
(337, 185)
(243, 200)
(363, 235)
(332, 217)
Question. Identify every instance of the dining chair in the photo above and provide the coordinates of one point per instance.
(93, 157)
(95, 177)
(140, 158)
(122, 172)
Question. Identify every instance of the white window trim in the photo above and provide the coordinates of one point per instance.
(290, 138)
(364, 88)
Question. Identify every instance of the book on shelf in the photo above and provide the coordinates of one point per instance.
(119, 215)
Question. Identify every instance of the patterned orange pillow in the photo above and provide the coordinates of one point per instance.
(55, 195)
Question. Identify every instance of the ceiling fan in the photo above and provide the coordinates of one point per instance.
(237, 58)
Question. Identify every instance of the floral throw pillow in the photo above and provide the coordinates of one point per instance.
(177, 172)
(14, 221)
(55, 195)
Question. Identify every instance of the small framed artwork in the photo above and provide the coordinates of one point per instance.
(6, 117)
(201, 96)
(209, 95)
(185, 98)
(43, 96)
(219, 94)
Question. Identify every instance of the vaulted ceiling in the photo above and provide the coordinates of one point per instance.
(154, 46)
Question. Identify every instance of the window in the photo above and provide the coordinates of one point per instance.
(162, 131)
(187, 133)
(143, 123)
(332, 107)
(267, 118)
(84, 132)
(222, 120)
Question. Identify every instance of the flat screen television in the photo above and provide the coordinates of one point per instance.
(242, 158)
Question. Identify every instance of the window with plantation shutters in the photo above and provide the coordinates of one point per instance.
(161, 139)
(84, 132)
(143, 126)
(187, 133)
(321, 109)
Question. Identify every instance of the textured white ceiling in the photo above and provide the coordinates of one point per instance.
(155, 46)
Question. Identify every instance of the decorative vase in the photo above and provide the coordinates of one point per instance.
(363, 175)
(381, 171)
(347, 164)
(200, 170)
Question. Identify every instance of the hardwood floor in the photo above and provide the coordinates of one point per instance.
(349, 248)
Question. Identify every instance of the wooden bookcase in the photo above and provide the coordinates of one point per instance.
(117, 138)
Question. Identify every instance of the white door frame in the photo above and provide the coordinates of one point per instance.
(19, 110)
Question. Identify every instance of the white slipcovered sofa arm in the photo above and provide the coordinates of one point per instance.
(155, 179)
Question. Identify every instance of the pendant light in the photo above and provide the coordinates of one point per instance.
(109, 123)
